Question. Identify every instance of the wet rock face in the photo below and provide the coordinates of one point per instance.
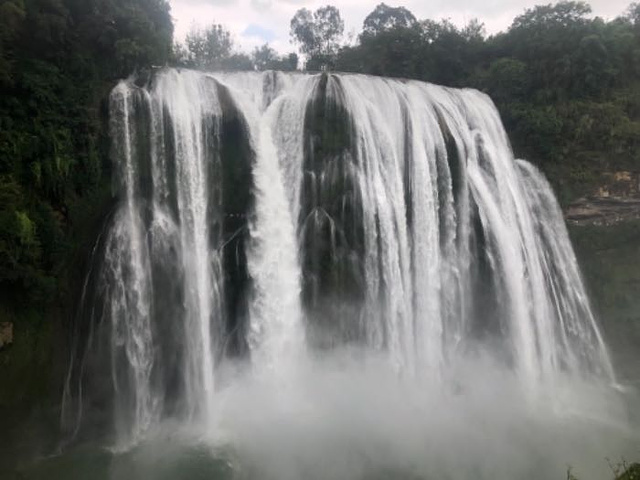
(609, 258)
(6, 334)
(605, 231)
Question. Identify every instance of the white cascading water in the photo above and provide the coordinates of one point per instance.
(449, 222)
(187, 104)
(127, 275)
(276, 332)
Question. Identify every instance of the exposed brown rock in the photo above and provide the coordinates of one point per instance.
(615, 200)
(603, 211)
(621, 184)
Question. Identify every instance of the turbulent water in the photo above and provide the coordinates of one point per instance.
(350, 273)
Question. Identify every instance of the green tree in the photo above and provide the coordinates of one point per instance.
(237, 62)
(289, 62)
(318, 34)
(208, 48)
(452, 54)
(398, 52)
(384, 18)
(562, 14)
(58, 61)
(506, 80)
(265, 58)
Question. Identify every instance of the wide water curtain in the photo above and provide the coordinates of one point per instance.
(261, 216)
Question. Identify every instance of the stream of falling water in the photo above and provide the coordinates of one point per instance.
(275, 217)
(276, 335)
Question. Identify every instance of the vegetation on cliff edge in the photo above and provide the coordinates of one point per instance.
(58, 61)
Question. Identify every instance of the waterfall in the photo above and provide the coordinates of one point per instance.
(265, 216)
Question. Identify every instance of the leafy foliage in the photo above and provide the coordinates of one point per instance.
(385, 18)
(58, 60)
(212, 49)
(266, 58)
(318, 34)
(209, 49)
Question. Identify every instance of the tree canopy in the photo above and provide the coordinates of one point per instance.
(212, 48)
(209, 48)
(384, 18)
(58, 60)
(318, 34)
(266, 58)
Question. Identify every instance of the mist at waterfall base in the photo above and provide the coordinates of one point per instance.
(332, 277)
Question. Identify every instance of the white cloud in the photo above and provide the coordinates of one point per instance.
(273, 16)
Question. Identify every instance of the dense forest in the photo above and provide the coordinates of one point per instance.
(567, 85)
(58, 61)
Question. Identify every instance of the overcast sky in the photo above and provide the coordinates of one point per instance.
(255, 22)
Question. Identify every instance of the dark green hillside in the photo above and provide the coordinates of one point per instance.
(58, 61)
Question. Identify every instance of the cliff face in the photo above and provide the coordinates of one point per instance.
(605, 231)
(34, 345)
(609, 256)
